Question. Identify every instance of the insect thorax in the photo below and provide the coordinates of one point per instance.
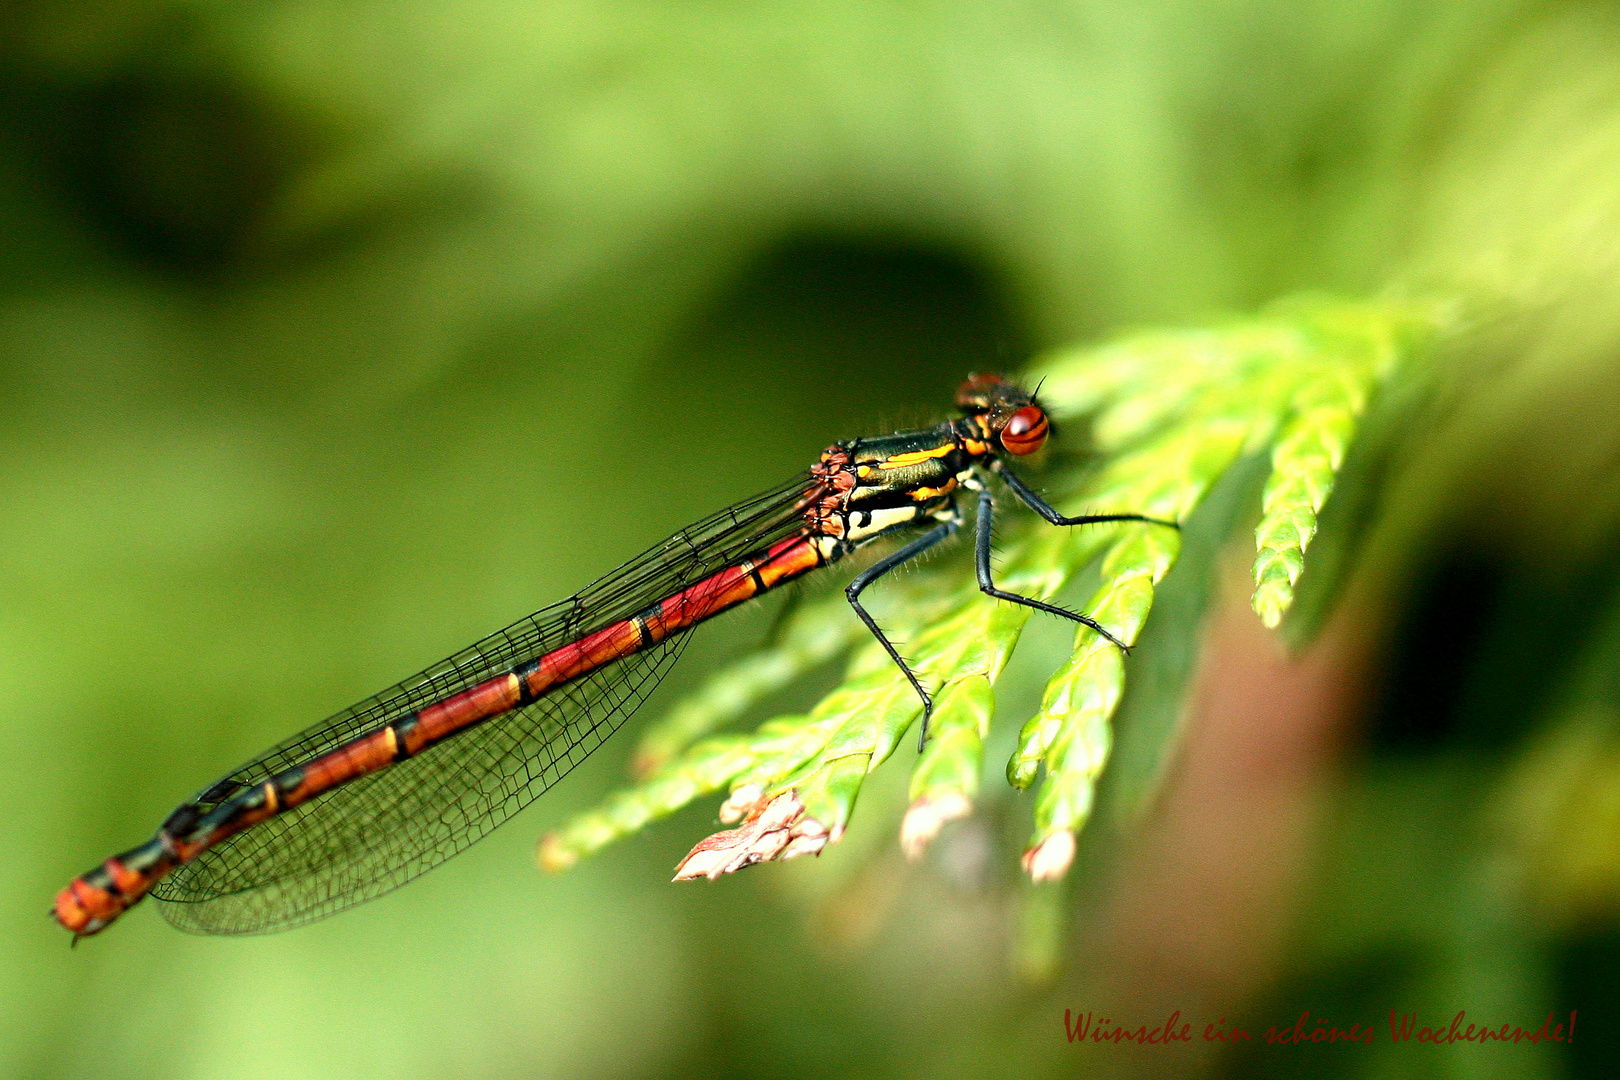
(870, 486)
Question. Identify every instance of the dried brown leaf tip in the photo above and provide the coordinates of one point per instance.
(775, 828)
(1169, 413)
(926, 817)
(1049, 860)
(742, 802)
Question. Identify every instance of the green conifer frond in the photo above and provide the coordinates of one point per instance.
(815, 634)
(1170, 413)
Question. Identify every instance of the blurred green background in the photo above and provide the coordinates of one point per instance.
(335, 334)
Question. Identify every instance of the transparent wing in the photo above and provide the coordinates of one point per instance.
(377, 832)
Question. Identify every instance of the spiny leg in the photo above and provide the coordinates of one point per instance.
(877, 570)
(1033, 500)
(988, 587)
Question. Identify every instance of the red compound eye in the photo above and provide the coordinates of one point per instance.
(1026, 431)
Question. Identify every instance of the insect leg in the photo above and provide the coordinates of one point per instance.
(1033, 500)
(988, 587)
(877, 570)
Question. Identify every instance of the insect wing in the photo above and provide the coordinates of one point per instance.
(378, 831)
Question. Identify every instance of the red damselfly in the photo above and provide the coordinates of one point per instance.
(391, 787)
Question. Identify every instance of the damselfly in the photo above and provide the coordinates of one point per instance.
(387, 789)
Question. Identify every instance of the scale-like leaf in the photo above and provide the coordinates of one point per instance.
(1171, 414)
